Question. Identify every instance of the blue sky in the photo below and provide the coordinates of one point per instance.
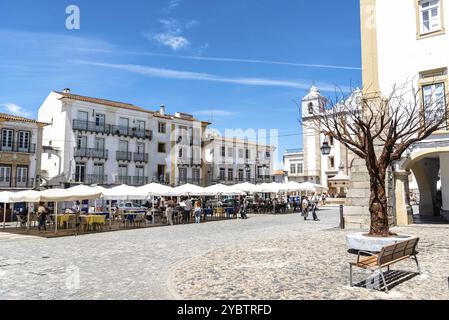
(239, 63)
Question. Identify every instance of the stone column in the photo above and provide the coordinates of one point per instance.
(444, 174)
(404, 212)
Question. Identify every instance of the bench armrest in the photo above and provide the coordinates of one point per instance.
(365, 252)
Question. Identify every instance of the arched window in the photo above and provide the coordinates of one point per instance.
(310, 107)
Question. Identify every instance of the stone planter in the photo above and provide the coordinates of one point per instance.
(358, 241)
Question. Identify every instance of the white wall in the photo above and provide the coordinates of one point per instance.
(444, 172)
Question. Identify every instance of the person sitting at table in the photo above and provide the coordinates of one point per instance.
(42, 212)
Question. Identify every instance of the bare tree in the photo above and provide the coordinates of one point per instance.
(379, 129)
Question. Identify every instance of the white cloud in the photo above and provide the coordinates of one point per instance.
(15, 110)
(186, 75)
(214, 113)
(175, 42)
(173, 4)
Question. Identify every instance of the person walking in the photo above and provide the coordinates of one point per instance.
(169, 211)
(198, 211)
(42, 213)
(305, 207)
(243, 208)
(314, 202)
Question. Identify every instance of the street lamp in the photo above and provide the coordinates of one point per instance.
(325, 148)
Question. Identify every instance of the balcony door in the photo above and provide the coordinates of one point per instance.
(7, 139)
(80, 173)
(23, 141)
(22, 176)
(5, 176)
(123, 125)
(98, 174)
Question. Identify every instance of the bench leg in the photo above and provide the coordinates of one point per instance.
(417, 264)
(350, 275)
(383, 279)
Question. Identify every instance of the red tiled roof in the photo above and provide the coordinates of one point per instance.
(10, 117)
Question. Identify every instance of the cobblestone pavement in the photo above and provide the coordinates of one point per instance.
(266, 256)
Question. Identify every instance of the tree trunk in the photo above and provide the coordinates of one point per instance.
(378, 207)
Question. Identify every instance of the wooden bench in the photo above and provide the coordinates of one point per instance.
(389, 255)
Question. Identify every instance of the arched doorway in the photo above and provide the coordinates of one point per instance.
(431, 170)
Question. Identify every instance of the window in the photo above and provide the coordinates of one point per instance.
(230, 174)
(140, 148)
(183, 174)
(161, 172)
(140, 173)
(240, 175)
(24, 141)
(430, 16)
(123, 122)
(161, 147)
(98, 169)
(140, 124)
(162, 128)
(293, 169)
(310, 108)
(123, 170)
(7, 139)
(222, 174)
(331, 162)
(5, 175)
(300, 168)
(196, 175)
(434, 101)
(247, 154)
(248, 174)
(223, 151)
(230, 152)
(80, 172)
(123, 146)
(83, 116)
(81, 142)
(99, 119)
(22, 176)
(99, 143)
(241, 153)
(268, 154)
(331, 141)
(180, 153)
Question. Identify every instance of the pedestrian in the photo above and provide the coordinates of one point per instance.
(198, 211)
(323, 198)
(314, 202)
(243, 208)
(42, 212)
(169, 211)
(305, 207)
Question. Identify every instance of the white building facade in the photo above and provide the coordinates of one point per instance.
(407, 41)
(232, 160)
(294, 165)
(319, 168)
(97, 141)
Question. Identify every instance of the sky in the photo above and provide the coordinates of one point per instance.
(241, 64)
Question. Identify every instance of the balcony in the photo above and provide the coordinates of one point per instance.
(123, 180)
(97, 179)
(91, 153)
(88, 126)
(17, 147)
(196, 182)
(161, 179)
(139, 181)
(18, 183)
(123, 156)
(140, 157)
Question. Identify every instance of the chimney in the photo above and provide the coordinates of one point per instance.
(66, 90)
(162, 110)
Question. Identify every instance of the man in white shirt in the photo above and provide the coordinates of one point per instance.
(187, 208)
(315, 200)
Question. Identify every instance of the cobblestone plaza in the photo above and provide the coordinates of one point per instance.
(264, 257)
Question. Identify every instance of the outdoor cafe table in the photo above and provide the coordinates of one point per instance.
(95, 219)
(64, 218)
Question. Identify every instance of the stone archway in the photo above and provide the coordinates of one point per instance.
(429, 165)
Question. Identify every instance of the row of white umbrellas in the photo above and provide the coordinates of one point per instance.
(125, 192)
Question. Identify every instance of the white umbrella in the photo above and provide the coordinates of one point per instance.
(221, 189)
(187, 190)
(5, 197)
(83, 192)
(155, 189)
(291, 186)
(267, 188)
(246, 187)
(124, 192)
